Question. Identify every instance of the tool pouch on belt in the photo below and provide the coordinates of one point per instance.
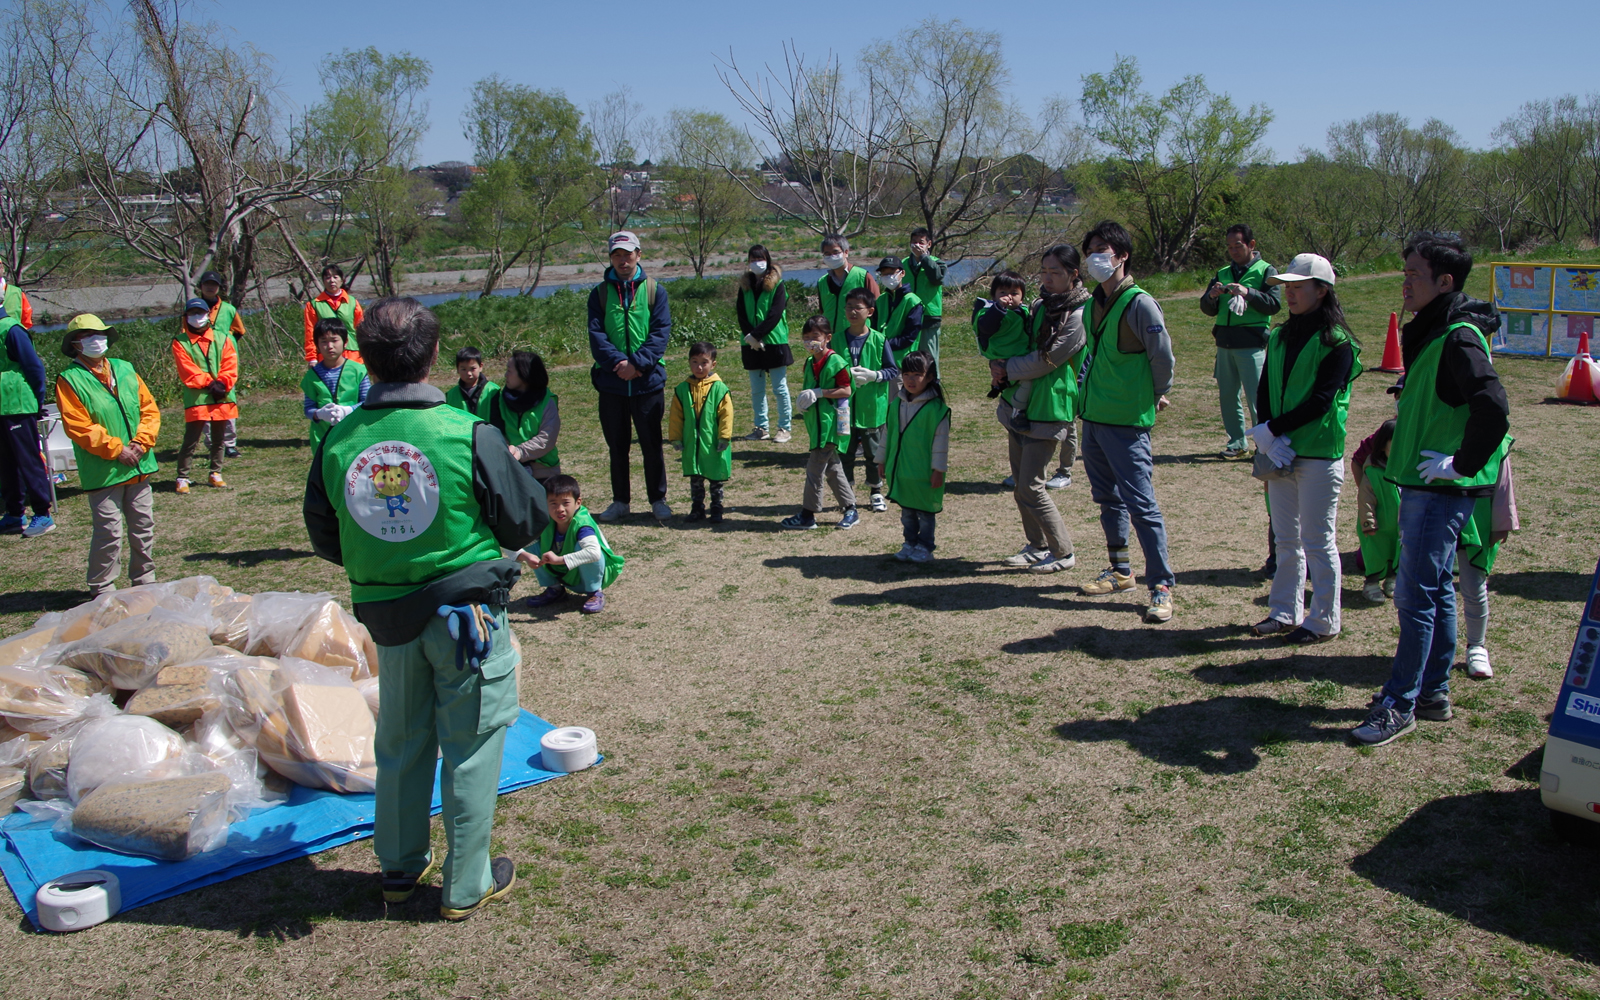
(397, 622)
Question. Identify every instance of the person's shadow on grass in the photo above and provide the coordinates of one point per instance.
(1156, 643)
(1224, 735)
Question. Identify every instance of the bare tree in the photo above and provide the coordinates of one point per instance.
(1498, 191)
(1418, 171)
(825, 138)
(1541, 144)
(620, 130)
(706, 204)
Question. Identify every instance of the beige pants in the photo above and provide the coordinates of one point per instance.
(826, 463)
(108, 507)
(1041, 520)
(216, 430)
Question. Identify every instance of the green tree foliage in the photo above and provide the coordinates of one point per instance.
(538, 180)
(703, 151)
(1415, 173)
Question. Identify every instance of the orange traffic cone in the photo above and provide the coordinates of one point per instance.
(1393, 361)
(1577, 382)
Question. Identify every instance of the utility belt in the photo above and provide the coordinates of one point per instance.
(402, 620)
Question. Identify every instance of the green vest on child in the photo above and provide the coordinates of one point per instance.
(454, 397)
(569, 544)
(822, 417)
(350, 375)
(908, 466)
(869, 403)
(701, 456)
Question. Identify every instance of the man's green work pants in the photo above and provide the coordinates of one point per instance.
(428, 707)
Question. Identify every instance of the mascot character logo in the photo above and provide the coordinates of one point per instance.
(390, 482)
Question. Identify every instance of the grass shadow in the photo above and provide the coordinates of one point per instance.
(1224, 577)
(250, 557)
(40, 601)
(1221, 735)
(771, 459)
(1542, 585)
(1113, 644)
(957, 597)
(876, 567)
(1491, 859)
(1293, 664)
(298, 442)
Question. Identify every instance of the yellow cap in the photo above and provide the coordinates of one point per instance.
(85, 321)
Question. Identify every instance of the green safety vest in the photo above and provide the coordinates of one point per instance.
(486, 398)
(118, 413)
(922, 287)
(833, 304)
(519, 427)
(869, 403)
(401, 482)
(700, 454)
(13, 302)
(822, 418)
(346, 313)
(209, 360)
(569, 544)
(627, 329)
(1255, 276)
(908, 466)
(1116, 389)
(316, 390)
(892, 321)
(1324, 437)
(1012, 340)
(16, 395)
(1476, 542)
(755, 310)
(1426, 424)
(1054, 396)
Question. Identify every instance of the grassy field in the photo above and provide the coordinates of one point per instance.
(832, 774)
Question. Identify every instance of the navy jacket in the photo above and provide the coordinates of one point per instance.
(652, 373)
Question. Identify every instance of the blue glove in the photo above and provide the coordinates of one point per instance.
(473, 631)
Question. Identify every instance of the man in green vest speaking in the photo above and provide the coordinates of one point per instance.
(1449, 438)
(415, 499)
(1242, 302)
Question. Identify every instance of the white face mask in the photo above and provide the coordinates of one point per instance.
(833, 260)
(815, 346)
(198, 320)
(889, 282)
(758, 267)
(94, 345)
(1100, 266)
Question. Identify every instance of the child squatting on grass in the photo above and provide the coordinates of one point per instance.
(918, 453)
(571, 552)
(333, 387)
(824, 401)
(700, 426)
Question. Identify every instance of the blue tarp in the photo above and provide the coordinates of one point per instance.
(311, 821)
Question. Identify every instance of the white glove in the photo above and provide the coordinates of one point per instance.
(1438, 466)
(863, 376)
(753, 342)
(324, 413)
(338, 411)
(1261, 436)
(1280, 453)
(1236, 305)
(804, 400)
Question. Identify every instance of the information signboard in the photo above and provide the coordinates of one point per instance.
(1545, 308)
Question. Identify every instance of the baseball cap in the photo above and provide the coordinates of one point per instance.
(81, 324)
(891, 264)
(197, 305)
(1304, 267)
(622, 241)
(210, 276)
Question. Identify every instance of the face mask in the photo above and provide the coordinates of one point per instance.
(815, 346)
(889, 282)
(1101, 266)
(94, 345)
(758, 267)
(198, 320)
(833, 260)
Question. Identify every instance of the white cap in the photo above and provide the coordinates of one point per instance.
(1304, 266)
(622, 241)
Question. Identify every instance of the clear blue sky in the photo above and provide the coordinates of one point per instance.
(1470, 63)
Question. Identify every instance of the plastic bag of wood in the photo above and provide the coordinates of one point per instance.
(121, 748)
(276, 618)
(47, 771)
(368, 686)
(13, 782)
(230, 622)
(168, 818)
(41, 699)
(129, 654)
(228, 752)
(308, 723)
(24, 647)
(203, 591)
(177, 697)
(333, 638)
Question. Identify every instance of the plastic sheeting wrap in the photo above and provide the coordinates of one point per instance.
(129, 654)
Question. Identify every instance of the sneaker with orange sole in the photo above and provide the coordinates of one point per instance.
(181, 487)
(216, 480)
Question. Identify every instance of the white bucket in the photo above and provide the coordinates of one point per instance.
(82, 899)
(568, 749)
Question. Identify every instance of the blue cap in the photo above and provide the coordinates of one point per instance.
(197, 305)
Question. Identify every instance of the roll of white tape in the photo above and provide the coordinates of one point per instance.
(82, 899)
(568, 749)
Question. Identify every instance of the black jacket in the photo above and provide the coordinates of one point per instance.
(513, 506)
(1466, 378)
(1333, 374)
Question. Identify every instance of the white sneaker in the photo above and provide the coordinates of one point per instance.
(614, 512)
(1052, 563)
(920, 554)
(660, 509)
(879, 503)
(1058, 482)
(781, 436)
(1478, 663)
(1373, 591)
(1028, 556)
(904, 555)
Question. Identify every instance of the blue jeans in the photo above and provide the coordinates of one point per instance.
(1238, 368)
(1425, 596)
(918, 527)
(589, 576)
(758, 395)
(1119, 465)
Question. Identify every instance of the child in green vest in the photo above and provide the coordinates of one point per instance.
(824, 401)
(841, 280)
(571, 552)
(872, 369)
(333, 387)
(1377, 514)
(899, 311)
(1001, 325)
(700, 426)
(529, 415)
(919, 449)
(473, 391)
(1493, 519)
(925, 276)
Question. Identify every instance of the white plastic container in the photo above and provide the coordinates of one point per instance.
(568, 749)
(57, 446)
(78, 901)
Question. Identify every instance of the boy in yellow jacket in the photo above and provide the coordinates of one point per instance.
(700, 426)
